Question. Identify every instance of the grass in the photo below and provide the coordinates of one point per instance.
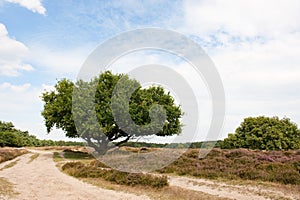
(165, 193)
(273, 166)
(93, 170)
(6, 189)
(9, 165)
(33, 157)
(57, 157)
(77, 155)
(239, 164)
(10, 153)
(240, 167)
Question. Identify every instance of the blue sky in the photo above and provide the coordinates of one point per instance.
(255, 46)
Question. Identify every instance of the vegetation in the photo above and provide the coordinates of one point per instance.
(165, 193)
(193, 145)
(76, 155)
(123, 109)
(273, 166)
(264, 133)
(6, 189)
(57, 157)
(12, 137)
(9, 153)
(33, 157)
(93, 170)
(9, 165)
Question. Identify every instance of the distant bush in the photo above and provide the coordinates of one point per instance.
(273, 166)
(12, 137)
(265, 133)
(94, 170)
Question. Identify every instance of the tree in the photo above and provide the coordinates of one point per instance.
(266, 133)
(123, 110)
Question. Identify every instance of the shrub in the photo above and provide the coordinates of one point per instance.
(10, 153)
(92, 170)
(274, 166)
(265, 133)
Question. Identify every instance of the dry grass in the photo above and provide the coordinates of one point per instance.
(95, 170)
(9, 165)
(33, 157)
(6, 189)
(10, 153)
(165, 193)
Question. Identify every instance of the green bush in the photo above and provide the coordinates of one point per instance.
(265, 133)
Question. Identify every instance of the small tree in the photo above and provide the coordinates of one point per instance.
(108, 100)
(264, 133)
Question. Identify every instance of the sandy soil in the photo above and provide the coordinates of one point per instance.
(41, 179)
(234, 190)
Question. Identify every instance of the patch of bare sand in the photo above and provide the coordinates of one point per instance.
(232, 191)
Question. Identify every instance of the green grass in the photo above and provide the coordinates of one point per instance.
(57, 157)
(77, 155)
(33, 157)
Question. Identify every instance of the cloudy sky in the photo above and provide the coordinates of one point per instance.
(254, 44)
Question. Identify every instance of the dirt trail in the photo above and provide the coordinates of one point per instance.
(232, 191)
(41, 179)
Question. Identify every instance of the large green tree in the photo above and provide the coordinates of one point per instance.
(110, 108)
(266, 133)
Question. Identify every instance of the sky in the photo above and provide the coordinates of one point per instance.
(254, 45)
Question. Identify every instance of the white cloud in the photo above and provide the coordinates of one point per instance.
(60, 62)
(12, 53)
(22, 105)
(255, 46)
(242, 18)
(33, 5)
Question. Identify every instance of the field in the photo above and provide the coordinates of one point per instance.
(221, 174)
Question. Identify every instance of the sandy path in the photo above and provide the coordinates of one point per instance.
(41, 179)
(231, 191)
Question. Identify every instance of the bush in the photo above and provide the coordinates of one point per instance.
(274, 166)
(10, 153)
(92, 170)
(265, 133)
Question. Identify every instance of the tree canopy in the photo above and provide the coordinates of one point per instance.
(123, 110)
(266, 133)
(12, 137)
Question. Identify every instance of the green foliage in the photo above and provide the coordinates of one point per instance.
(264, 133)
(12, 137)
(9, 136)
(76, 155)
(79, 169)
(114, 100)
